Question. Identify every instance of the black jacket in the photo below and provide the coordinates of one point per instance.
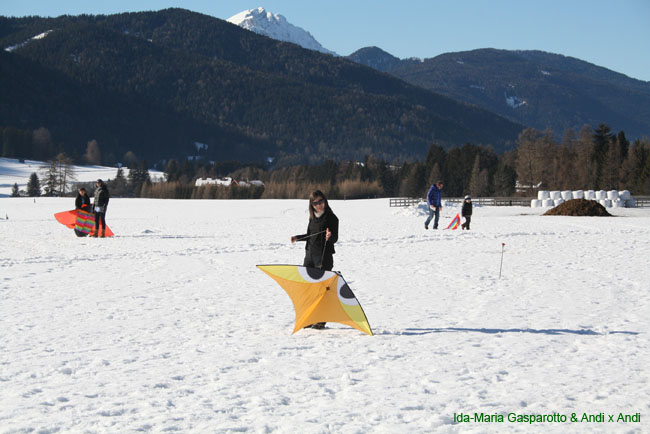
(318, 224)
(467, 208)
(82, 202)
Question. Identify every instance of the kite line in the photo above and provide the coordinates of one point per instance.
(309, 236)
(322, 258)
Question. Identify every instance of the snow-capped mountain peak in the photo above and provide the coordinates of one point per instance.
(276, 26)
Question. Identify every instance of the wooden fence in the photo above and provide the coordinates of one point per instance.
(641, 201)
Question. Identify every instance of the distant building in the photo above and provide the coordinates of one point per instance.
(227, 182)
(521, 188)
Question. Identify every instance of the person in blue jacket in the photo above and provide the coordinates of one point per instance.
(434, 200)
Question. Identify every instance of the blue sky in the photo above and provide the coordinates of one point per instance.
(614, 34)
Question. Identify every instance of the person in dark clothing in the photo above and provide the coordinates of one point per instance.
(100, 204)
(467, 212)
(82, 201)
(322, 234)
(434, 200)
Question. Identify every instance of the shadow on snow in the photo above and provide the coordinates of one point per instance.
(413, 331)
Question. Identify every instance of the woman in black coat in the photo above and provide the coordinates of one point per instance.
(322, 233)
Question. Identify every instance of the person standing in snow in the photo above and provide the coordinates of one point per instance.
(467, 212)
(99, 206)
(82, 201)
(434, 200)
(322, 234)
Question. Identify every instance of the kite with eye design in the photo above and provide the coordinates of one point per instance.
(319, 296)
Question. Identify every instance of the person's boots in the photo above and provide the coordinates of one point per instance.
(103, 235)
(94, 233)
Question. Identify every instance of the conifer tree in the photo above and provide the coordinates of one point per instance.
(33, 186)
(15, 192)
(602, 139)
(505, 178)
(118, 185)
(51, 179)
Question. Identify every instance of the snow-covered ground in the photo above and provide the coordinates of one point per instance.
(169, 326)
(12, 172)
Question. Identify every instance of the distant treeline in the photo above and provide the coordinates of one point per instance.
(588, 159)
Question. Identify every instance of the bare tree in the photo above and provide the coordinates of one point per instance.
(537, 158)
(584, 168)
(66, 172)
(478, 184)
(58, 175)
(528, 165)
(42, 143)
(93, 155)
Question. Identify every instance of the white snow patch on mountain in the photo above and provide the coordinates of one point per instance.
(514, 101)
(277, 27)
(22, 44)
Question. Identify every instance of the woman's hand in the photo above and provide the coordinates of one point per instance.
(328, 234)
(293, 240)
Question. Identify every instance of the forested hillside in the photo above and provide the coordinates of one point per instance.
(155, 83)
(535, 88)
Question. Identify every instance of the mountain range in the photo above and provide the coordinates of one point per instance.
(156, 83)
(534, 88)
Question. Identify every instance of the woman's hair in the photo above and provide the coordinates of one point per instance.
(315, 194)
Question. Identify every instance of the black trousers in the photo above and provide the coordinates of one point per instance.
(317, 260)
(468, 220)
(100, 218)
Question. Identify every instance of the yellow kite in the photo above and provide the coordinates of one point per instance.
(319, 296)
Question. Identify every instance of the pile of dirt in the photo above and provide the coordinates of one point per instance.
(579, 207)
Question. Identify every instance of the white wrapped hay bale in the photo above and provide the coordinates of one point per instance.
(630, 203)
(556, 195)
(601, 195)
(612, 195)
(625, 195)
(535, 203)
(542, 194)
(567, 195)
(558, 202)
(606, 203)
(618, 203)
(590, 195)
(548, 203)
(578, 194)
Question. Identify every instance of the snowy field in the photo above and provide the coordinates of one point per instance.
(14, 172)
(169, 326)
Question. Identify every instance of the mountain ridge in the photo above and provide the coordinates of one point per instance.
(236, 91)
(533, 87)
